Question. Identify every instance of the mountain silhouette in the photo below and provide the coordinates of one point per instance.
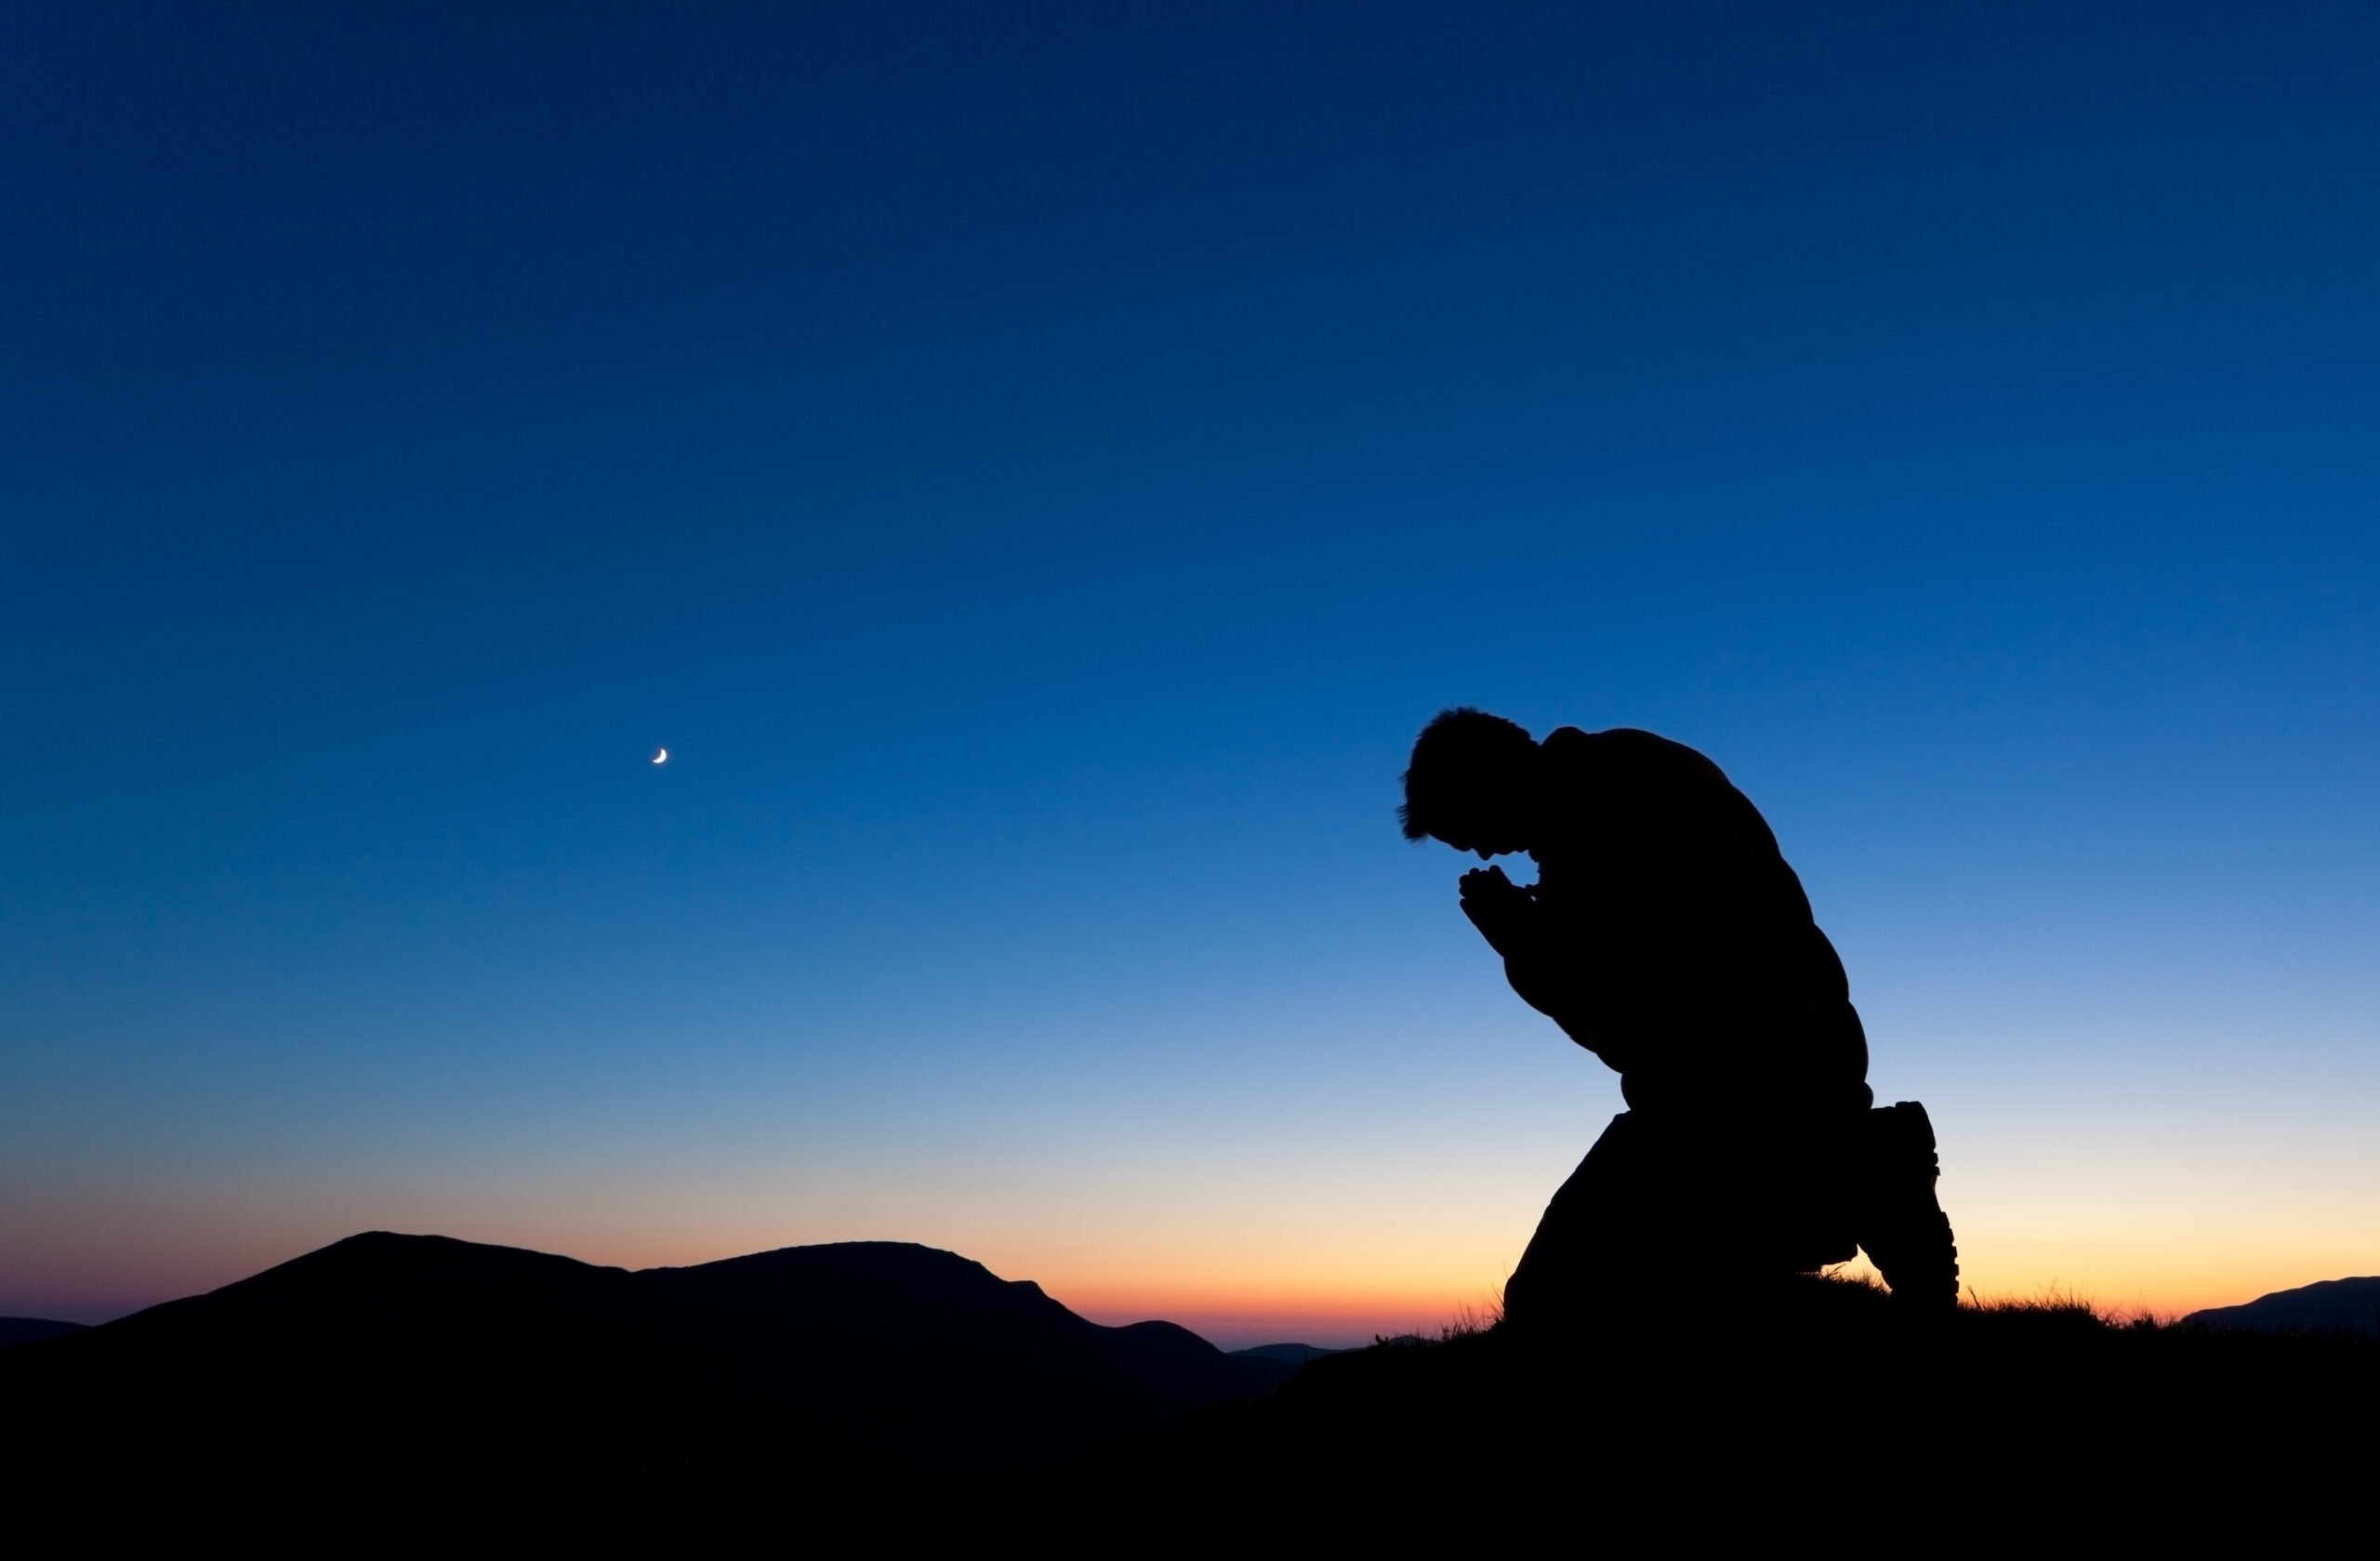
(2329, 1306)
(387, 1362)
(32, 1331)
(1292, 1355)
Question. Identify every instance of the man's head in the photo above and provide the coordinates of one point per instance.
(1474, 783)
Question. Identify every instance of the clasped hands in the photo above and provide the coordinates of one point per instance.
(1504, 912)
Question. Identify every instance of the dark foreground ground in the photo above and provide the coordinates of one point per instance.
(876, 1396)
(1817, 1411)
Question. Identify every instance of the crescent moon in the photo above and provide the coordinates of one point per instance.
(661, 757)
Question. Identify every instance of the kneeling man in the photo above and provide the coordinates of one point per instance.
(1666, 934)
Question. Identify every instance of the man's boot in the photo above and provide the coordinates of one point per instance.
(1901, 1224)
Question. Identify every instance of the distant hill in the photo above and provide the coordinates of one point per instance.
(31, 1331)
(2330, 1306)
(387, 1360)
(1289, 1354)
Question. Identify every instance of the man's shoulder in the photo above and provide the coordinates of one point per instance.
(1627, 747)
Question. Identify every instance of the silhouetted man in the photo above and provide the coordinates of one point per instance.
(1667, 935)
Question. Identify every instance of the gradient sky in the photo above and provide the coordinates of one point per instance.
(1035, 468)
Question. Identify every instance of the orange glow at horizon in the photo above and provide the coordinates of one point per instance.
(1402, 1244)
(1354, 1301)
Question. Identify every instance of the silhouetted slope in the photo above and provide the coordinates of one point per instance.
(384, 1361)
(2329, 1306)
(1813, 1411)
(32, 1331)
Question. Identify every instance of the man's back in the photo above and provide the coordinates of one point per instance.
(1678, 944)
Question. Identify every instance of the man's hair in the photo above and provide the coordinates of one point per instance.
(1462, 758)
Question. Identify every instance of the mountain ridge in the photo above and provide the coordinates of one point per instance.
(435, 1353)
(32, 1331)
(2348, 1305)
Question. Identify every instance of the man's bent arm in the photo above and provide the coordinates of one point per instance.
(1541, 982)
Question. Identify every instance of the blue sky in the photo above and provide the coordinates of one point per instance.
(1035, 469)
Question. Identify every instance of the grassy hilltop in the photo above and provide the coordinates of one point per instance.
(1816, 1409)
